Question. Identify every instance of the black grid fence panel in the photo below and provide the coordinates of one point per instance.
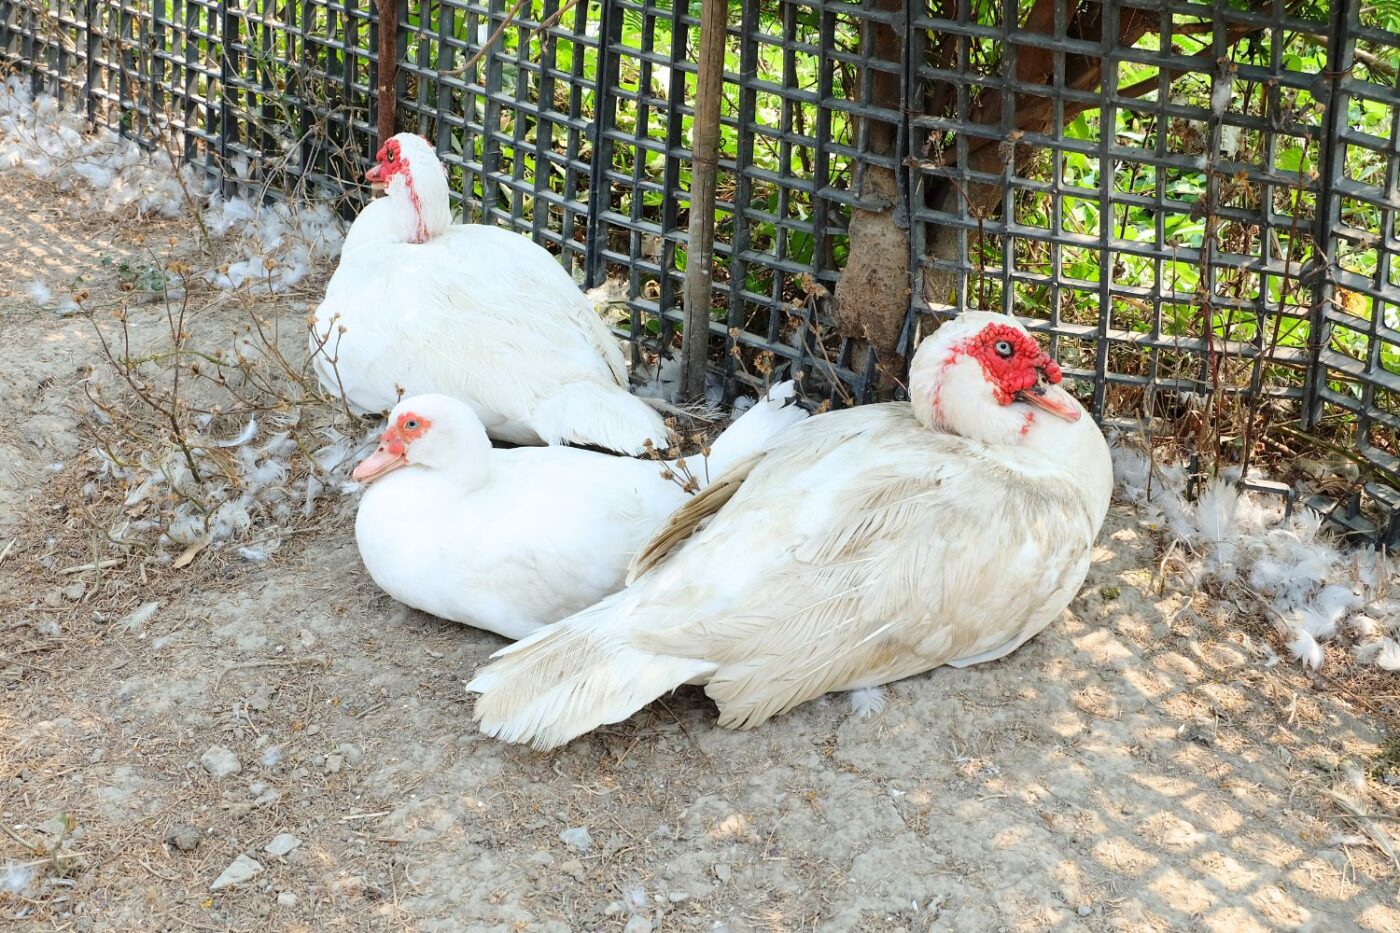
(642, 210)
(1136, 178)
(1184, 196)
(1358, 366)
(294, 84)
(793, 146)
(53, 40)
(514, 127)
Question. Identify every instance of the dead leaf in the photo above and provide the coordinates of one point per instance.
(191, 553)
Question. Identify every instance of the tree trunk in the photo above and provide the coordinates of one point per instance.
(872, 296)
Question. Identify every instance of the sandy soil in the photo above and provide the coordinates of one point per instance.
(1135, 767)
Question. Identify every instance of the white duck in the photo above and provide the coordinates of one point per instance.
(863, 546)
(479, 313)
(512, 540)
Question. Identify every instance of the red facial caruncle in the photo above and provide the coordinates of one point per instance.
(1018, 370)
(1011, 360)
(392, 452)
(388, 163)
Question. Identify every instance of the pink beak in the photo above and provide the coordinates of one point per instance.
(382, 461)
(375, 176)
(1053, 399)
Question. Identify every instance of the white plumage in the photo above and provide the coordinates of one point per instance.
(473, 312)
(864, 546)
(511, 540)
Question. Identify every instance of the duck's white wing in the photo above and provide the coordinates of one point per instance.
(514, 340)
(863, 550)
(552, 305)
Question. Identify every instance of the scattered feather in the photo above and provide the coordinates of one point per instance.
(1388, 657)
(868, 701)
(249, 431)
(1305, 648)
(40, 293)
(15, 878)
(138, 617)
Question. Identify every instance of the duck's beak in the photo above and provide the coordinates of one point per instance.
(1051, 398)
(375, 177)
(382, 461)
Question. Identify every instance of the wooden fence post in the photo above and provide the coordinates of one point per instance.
(388, 67)
(695, 341)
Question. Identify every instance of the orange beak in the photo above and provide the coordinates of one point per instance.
(390, 455)
(1052, 399)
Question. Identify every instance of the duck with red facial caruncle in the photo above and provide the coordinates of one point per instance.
(420, 305)
(863, 546)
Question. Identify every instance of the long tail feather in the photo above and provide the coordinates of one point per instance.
(600, 415)
(572, 677)
(754, 429)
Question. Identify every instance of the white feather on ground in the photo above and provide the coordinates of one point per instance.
(277, 244)
(1312, 590)
(40, 293)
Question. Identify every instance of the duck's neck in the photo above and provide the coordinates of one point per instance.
(468, 466)
(417, 207)
(1076, 451)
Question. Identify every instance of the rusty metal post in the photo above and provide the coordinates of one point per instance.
(388, 67)
(700, 256)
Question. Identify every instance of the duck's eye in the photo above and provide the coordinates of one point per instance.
(411, 424)
(391, 156)
(1003, 348)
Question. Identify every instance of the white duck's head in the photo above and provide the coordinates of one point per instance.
(415, 182)
(984, 377)
(432, 431)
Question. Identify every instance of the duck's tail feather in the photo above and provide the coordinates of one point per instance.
(602, 416)
(753, 430)
(574, 676)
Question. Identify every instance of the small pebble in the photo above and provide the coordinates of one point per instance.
(240, 870)
(74, 591)
(350, 752)
(723, 873)
(573, 868)
(334, 764)
(56, 826)
(261, 699)
(1084, 910)
(286, 899)
(220, 762)
(183, 837)
(638, 924)
(281, 844)
(577, 838)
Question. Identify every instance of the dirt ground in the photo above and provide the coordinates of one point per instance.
(1135, 767)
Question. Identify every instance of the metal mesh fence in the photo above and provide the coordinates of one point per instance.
(1195, 201)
